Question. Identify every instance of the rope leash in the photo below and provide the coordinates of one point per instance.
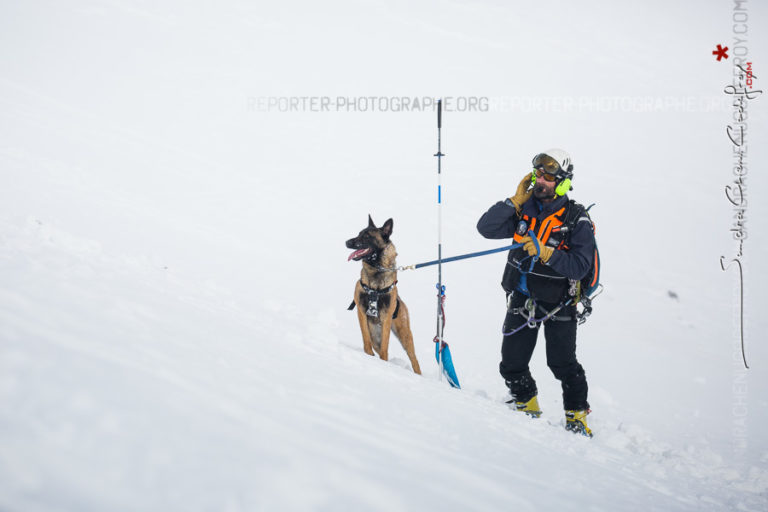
(448, 260)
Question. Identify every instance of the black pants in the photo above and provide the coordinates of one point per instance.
(560, 335)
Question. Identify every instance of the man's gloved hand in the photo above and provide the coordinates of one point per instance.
(530, 247)
(522, 194)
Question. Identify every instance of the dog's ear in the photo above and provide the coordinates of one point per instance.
(370, 222)
(386, 229)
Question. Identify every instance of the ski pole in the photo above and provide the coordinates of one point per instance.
(440, 287)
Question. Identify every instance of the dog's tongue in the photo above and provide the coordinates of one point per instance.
(359, 252)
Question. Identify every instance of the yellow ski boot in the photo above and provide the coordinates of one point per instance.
(576, 422)
(531, 407)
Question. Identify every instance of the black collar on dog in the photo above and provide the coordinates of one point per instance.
(381, 291)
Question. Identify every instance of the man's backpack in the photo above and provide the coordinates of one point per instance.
(588, 284)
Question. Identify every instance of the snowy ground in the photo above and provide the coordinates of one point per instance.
(173, 279)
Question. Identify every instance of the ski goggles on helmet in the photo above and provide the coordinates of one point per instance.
(545, 175)
(548, 165)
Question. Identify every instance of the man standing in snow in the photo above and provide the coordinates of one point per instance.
(559, 245)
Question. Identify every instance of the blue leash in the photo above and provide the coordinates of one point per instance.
(523, 284)
(476, 254)
(461, 257)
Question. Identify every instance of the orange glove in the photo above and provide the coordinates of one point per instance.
(530, 247)
(522, 194)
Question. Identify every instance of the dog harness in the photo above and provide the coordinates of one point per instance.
(373, 300)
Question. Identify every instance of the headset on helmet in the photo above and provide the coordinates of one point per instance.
(558, 163)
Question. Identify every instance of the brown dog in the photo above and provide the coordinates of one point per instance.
(379, 308)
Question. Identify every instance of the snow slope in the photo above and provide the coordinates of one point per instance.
(173, 333)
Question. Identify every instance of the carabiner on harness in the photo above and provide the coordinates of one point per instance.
(587, 303)
(530, 308)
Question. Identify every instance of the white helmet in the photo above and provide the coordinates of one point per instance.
(562, 158)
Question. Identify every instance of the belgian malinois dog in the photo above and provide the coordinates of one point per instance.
(379, 307)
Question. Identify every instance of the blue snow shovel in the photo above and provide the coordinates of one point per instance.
(442, 352)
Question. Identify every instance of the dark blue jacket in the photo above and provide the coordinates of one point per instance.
(548, 281)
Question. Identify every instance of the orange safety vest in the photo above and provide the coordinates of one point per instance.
(550, 224)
